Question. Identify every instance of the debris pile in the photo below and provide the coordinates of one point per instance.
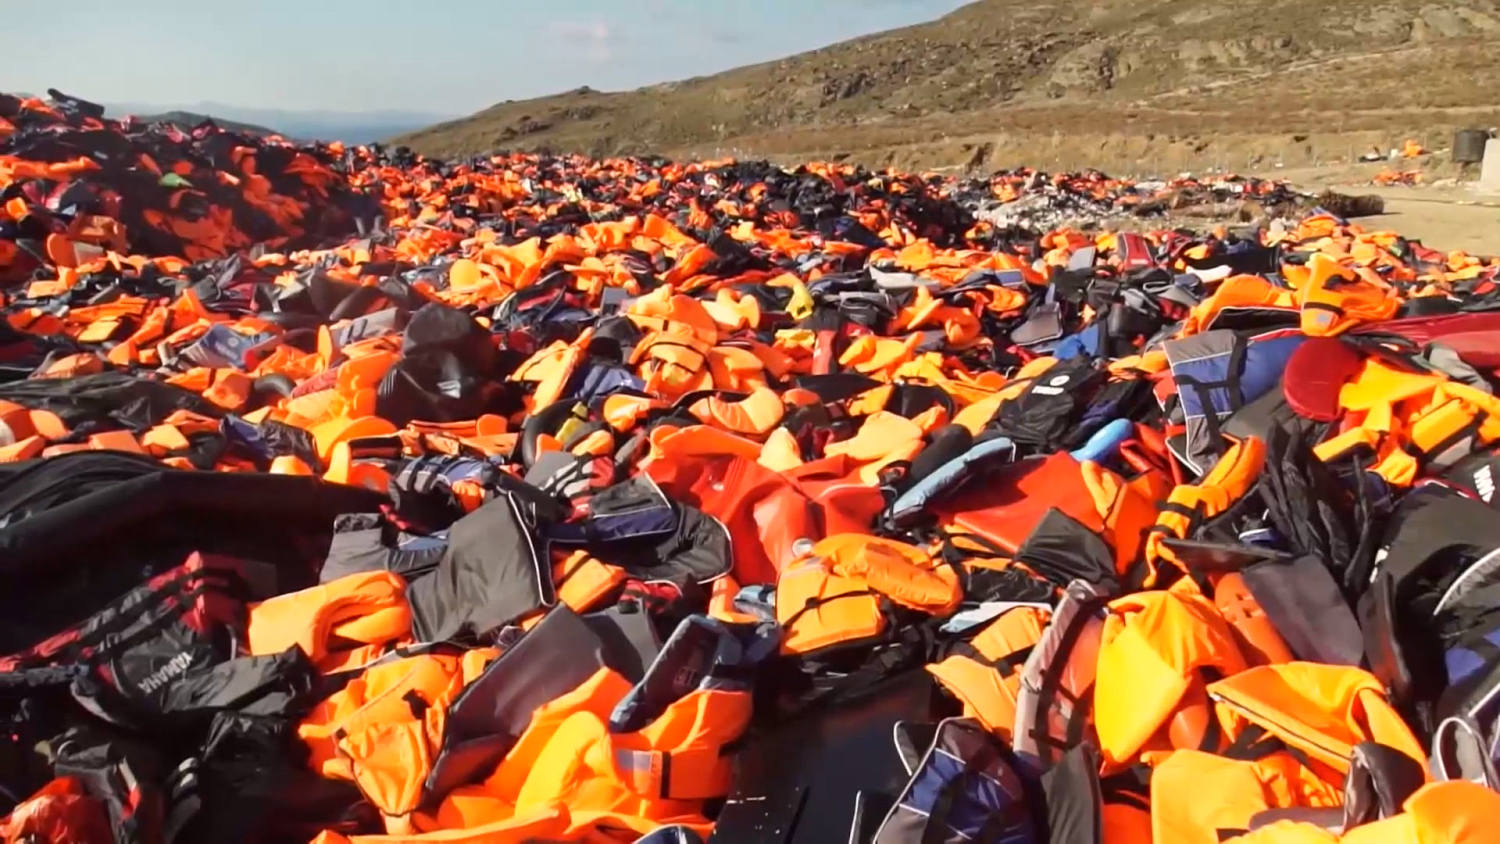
(348, 496)
(1387, 178)
(1036, 199)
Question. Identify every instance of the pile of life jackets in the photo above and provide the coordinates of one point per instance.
(75, 186)
(636, 500)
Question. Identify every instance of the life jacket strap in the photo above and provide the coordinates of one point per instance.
(692, 774)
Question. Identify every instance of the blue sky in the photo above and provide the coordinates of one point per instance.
(440, 56)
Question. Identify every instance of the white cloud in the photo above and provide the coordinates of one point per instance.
(595, 40)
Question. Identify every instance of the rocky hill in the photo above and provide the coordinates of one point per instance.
(1058, 83)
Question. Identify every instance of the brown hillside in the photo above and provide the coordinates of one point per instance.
(1125, 84)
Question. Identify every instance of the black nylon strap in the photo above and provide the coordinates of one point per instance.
(1006, 664)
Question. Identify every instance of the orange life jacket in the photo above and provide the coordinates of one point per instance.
(339, 625)
(985, 673)
(383, 729)
(1156, 648)
(833, 594)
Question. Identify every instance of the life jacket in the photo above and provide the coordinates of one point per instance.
(1335, 298)
(153, 651)
(624, 757)
(583, 582)
(673, 362)
(1315, 375)
(546, 823)
(947, 476)
(1456, 812)
(61, 810)
(1412, 422)
(1189, 505)
(383, 729)
(1292, 730)
(1435, 555)
(1086, 808)
(1042, 415)
(1054, 703)
(982, 410)
(1011, 504)
(670, 730)
(1156, 650)
(1471, 335)
(1476, 477)
(1460, 626)
(487, 719)
(1243, 301)
(341, 624)
(984, 673)
(549, 370)
(964, 788)
(846, 506)
(844, 590)
(1218, 372)
(755, 415)
(1257, 634)
(1467, 736)
(765, 513)
(1322, 709)
(494, 570)
(883, 438)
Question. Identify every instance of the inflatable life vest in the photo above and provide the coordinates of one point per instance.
(845, 589)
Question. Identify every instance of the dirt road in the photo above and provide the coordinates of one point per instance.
(1442, 219)
(1448, 217)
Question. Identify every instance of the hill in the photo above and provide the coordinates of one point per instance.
(1120, 84)
(355, 127)
(188, 119)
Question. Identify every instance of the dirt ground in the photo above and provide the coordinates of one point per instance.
(1442, 215)
(1442, 219)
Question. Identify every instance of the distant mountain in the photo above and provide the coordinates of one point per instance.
(353, 127)
(188, 119)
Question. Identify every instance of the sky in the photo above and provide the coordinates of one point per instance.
(438, 56)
